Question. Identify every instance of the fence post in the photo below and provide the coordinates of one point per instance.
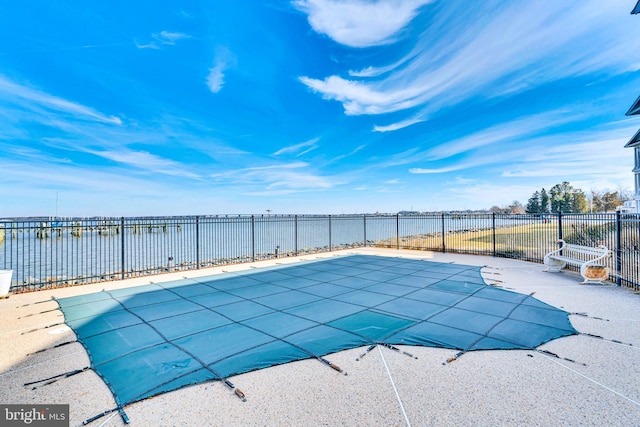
(618, 248)
(197, 242)
(295, 233)
(397, 231)
(559, 225)
(493, 227)
(122, 245)
(253, 238)
(364, 222)
(329, 233)
(444, 249)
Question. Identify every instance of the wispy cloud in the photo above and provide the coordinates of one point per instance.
(393, 181)
(512, 132)
(162, 38)
(375, 105)
(290, 177)
(487, 194)
(459, 180)
(170, 38)
(299, 149)
(398, 125)
(600, 153)
(453, 168)
(359, 98)
(32, 99)
(222, 61)
(571, 160)
(145, 161)
(509, 49)
(87, 190)
(349, 154)
(360, 23)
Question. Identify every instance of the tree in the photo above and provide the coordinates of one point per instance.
(597, 204)
(533, 205)
(516, 207)
(606, 201)
(610, 201)
(578, 202)
(561, 197)
(544, 201)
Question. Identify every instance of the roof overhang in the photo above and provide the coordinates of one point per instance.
(635, 108)
(635, 141)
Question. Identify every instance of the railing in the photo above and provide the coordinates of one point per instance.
(47, 252)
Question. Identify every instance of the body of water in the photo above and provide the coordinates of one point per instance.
(71, 251)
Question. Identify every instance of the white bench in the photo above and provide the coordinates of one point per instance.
(589, 259)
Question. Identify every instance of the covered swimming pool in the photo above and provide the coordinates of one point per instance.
(148, 340)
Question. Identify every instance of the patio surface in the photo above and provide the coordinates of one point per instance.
(594, 381)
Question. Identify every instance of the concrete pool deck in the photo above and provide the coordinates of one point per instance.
(594, 381)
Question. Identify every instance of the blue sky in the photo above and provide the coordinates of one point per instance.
(311, 106)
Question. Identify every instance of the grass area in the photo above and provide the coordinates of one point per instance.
(531, 240)
(529, 236)
(525, 241)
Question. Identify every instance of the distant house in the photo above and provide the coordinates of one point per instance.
(635, 141)
(628, 207)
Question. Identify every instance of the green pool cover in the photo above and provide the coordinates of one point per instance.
(151, 339)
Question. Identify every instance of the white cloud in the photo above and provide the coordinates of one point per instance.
(601, 154)
(351, 153)
(398, 125)
(298, 148)
(150, 45)
(360, 23)
(512, 132)
(33, 99)
(299, 181)
(587, 159)
(360, 98)
(286, 176)
(143, 160)
(162, 38)
(489, 194)
(223, 60)
(463, 181)
(168, 37)
(215, 79)
(500, 49)
(445, 169)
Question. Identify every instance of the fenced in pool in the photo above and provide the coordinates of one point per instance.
(46, 252)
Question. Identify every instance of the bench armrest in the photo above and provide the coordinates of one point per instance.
(606, 253)
(563, 244)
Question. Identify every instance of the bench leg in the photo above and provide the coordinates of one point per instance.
(553, 265)
(593, 274)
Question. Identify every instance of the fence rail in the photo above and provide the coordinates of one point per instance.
(45, 252)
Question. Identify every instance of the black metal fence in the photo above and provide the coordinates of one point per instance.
(47, 252)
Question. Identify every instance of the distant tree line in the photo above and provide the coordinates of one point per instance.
(564, 197)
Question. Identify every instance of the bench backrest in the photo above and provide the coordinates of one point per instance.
(584, 253)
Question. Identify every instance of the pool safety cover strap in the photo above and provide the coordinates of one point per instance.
(151, 339)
